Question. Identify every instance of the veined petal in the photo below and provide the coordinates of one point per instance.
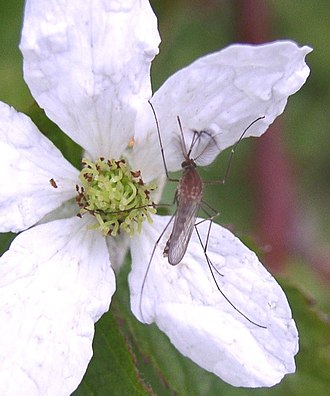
(55, 282)
(224, 92)
(28, 162)
(186, 304)
(87, 63)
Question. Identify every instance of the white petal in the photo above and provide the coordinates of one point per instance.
(185, 303)
(55, 282)
(224, 92)
(118, 248)
(87, 63)
(28, 162)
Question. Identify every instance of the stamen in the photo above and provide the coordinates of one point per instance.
(115, 195)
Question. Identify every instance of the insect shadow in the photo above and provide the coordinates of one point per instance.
(189, 200)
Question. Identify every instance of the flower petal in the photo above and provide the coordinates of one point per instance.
(185, 303)
(87, 63)
(55, 282)
(28, 163)
(118, 248)
(224, 92)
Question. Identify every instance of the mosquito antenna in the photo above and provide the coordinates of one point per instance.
(182, 141)
(159, 138)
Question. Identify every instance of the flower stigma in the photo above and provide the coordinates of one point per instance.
(115, 195)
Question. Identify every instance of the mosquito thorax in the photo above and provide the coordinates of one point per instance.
(115, 195)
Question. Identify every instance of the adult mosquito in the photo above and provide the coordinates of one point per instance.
(189, 200)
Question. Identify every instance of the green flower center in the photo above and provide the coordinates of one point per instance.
(115, 195)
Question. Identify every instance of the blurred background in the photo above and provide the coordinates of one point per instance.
(277, 195)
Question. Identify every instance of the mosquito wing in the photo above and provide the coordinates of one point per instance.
(182, 229)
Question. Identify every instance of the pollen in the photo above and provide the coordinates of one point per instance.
(131, 142)
(115, 195)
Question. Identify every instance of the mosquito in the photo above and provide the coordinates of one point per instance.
(189, 200)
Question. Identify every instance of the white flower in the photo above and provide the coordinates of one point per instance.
(88, 65)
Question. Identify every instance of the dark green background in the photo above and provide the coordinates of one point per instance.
(133, 359)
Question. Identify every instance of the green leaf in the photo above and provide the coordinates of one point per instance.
(112, 369)
(5, 241)
(313, 360)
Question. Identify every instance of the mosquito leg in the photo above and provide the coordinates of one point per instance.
(213, 269)
(204, 246)
(232, 152)
(215, 212)
(149, 264)
(209, 217)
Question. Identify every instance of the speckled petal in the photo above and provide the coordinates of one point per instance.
(35, 177)
(55, 282)
(87, 63)
(252, 348)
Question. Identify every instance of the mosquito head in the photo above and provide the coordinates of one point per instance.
(188, 163)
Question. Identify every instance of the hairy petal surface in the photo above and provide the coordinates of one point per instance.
(87, 63)
(222, 93)
(185, 303)
(28, 162)
(55, 282)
